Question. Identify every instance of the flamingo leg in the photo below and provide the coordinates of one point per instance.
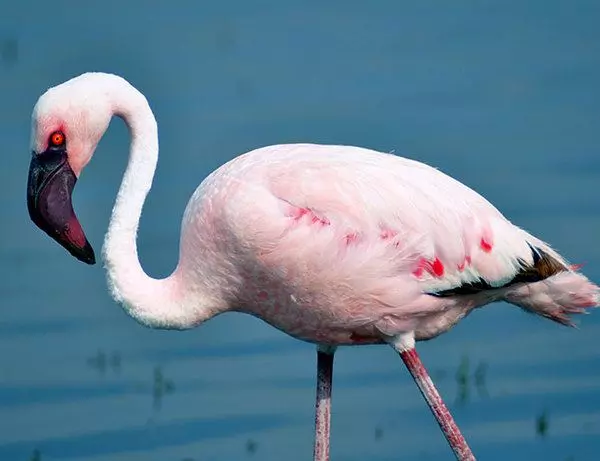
(323, 403)
(451, 431)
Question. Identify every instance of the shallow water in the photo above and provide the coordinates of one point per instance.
(503, 96)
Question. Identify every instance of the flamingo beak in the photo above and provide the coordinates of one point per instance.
(49, 188)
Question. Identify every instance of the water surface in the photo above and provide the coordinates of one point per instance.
(502, 95)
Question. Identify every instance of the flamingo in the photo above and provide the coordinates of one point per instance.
(333, 245)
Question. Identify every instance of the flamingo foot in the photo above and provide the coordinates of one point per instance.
(323, 404)
(443, 416)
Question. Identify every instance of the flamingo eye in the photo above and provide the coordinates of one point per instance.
(57, 139)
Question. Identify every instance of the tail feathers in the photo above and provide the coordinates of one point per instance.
(556, 297)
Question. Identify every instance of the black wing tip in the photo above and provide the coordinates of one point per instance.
(543, 266)
(546, 265)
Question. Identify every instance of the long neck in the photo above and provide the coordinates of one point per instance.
(152, 302)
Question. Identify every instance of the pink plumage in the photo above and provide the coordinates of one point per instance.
(335, 245)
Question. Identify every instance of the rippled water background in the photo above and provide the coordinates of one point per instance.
(502, 95)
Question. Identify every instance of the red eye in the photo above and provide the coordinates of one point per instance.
(57, 139)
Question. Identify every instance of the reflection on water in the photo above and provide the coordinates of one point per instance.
(251, 447)
(480, 380)
(462, 381)
(541, 424)
(101, 361)
(160, 388)
(465, 380)
(160, 385)
(378, 432)
(501, 95)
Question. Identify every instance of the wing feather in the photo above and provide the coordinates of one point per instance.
(433, 217)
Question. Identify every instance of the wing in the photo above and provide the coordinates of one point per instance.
(423, 222)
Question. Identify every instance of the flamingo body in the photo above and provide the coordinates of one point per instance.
(342, 245)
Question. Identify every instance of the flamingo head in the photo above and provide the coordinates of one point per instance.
(67, 124)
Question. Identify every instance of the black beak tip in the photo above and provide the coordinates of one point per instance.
(85, 254)
(90, 260)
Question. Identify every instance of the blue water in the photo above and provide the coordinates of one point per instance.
(502, 95)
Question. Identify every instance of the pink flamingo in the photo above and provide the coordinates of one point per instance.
(334, 245)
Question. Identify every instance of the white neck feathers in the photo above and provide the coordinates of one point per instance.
(152, 302)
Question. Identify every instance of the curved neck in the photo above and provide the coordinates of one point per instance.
(152, 302)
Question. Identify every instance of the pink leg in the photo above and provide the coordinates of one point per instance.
(323, 405)
(436, 404)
